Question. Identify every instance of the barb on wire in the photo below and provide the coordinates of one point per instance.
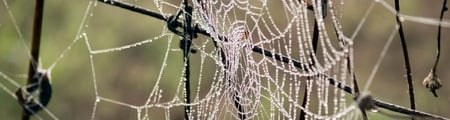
(432, 81)
(281, 58)
(185, 44)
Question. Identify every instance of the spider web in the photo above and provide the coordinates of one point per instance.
(139, 74)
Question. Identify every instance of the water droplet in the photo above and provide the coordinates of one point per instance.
(402, 19)
(374, 110)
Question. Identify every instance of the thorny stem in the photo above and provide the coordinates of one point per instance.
(406, 58)
(281, 58)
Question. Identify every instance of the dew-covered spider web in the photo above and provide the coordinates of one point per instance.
(252, 59)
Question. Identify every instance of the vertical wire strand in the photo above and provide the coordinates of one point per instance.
(444, 8)
(187, 39)
(405, 58)
(35, 45)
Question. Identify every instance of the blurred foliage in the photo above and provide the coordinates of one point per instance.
(128, 76)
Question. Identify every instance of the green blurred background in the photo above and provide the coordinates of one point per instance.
(124, 75)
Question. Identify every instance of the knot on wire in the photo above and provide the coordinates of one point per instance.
(432, 82)
(188, 33)
(365, 102)
(39, 87)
